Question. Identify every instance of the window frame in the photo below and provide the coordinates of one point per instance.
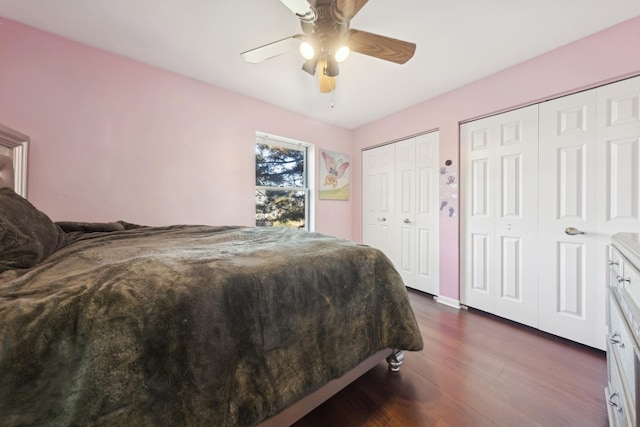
(308, 176)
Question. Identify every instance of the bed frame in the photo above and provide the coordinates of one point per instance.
(307, 404)
(301, 408)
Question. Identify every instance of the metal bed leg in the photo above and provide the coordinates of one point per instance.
(395, 360)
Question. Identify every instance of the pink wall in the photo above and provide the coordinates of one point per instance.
(112, 138)
(603, 57)
(116, 139)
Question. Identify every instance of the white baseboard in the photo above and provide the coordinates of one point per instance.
(447, 301)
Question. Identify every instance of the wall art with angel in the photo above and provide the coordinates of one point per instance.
(334, 176)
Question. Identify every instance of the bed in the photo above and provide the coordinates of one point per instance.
(120, 324)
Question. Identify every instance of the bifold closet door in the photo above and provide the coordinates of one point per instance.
(416, 217)
(619, 146)
(568, 261)
(589, 190)
(378, 172)
(400, 207)
(499, 186)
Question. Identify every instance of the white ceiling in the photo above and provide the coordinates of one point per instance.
(458, 41)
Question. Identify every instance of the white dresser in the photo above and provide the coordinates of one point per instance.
(623, 353)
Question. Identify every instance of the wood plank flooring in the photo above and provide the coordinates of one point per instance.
(476, 370)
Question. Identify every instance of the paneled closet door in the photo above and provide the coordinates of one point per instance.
(416, 217)
(378, 172)
(427, 213)
(619, 146)
(588, 189)
(590, 147)
(617, 172)
(568, 261)
(499, 161)
(477, 209)
(405, 218)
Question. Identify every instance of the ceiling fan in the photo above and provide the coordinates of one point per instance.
(327, 39)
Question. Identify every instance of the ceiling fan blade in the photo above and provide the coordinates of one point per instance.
(302, 9)
(327, 84)
(381, 47)
(343, 10)
(271, 50)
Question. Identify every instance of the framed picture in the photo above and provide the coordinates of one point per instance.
(334, 176)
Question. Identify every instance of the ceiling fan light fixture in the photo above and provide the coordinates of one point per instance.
(331, 69)
(306, 50)
(310, 66)
(342, 53)
(327, 40)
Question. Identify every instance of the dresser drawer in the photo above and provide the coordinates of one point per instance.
(624, 281)
(623, 320)
(618, 410)
(621, 342)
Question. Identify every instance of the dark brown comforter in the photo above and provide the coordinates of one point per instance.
(191, 325)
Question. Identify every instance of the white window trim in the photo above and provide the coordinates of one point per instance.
(309, 169)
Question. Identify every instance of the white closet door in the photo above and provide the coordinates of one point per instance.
(516, 226)
(617, 174)
(405, 218)
(588, 176)
(417, 214)
(427, 213)
(400, 207)
(568, 261)
(378, 171)
(499, 224)
(477, 223)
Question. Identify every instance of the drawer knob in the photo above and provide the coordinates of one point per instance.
(616, 339)
(612, 403)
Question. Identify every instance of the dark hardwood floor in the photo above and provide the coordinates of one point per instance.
(475, 370)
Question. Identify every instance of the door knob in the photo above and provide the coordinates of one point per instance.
(407, 221)
(382, 219)
(572, 231)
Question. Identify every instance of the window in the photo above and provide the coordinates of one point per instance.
(282, 184)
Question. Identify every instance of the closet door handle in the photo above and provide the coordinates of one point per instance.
(572, 231)
(407, 221)
(615, 338)
(382, 219)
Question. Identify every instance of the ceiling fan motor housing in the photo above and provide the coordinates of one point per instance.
(326, 34)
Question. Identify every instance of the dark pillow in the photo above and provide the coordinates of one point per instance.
(89, 227)
(27, 236)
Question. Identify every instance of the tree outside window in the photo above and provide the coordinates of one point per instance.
(281, 184)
